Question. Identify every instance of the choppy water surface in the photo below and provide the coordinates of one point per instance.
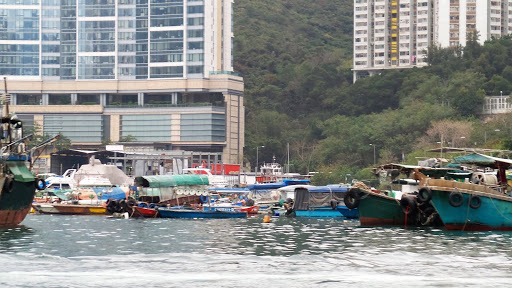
(94, 251)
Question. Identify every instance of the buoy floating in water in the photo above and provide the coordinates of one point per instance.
(266, 219)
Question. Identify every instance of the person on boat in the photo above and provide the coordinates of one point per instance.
(249, 202)
(288, 206)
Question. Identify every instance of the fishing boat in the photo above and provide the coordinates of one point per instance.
(18, 184)
(225, 204)
(145, 210)
(162, 190)
(480, 205)
(166, 212)
(318, 201)
(70, 209)
(378, 208)
(266, 195)
(393, 207)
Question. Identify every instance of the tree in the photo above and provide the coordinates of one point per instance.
(128, 138)
(465, 92)
(449, 132)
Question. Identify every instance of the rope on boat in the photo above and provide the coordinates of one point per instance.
(361, 185)
(467, 212)
(499, 211)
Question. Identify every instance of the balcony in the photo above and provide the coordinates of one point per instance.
(497, 105)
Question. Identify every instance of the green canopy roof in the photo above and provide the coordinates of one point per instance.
(479, 159)
(20, 171)
(156, 181)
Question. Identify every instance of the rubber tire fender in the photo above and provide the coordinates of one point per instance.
(334, 204)
(204, 199)
(352, 199)
(456, 199)
(40, 184)
(424, 195)
(408, 201)
(111, 205)
(475, 201)
(8, 184)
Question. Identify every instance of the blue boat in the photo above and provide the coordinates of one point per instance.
(320, 201)
(190, 213)
(478, 206)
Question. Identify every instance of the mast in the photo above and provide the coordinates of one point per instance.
(5, 99)
(5, 114)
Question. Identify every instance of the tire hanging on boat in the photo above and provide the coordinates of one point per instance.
(111, 205)
(408, 204)
(8, 184)
(352, 198)
(475, 201)
(424, 195)
(40, 184)
(334, 204)
(455, 199)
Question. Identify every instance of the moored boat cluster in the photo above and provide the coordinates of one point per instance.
(456, 198)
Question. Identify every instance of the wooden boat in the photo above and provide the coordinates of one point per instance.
(249, 209)
(378, 209)
(392, 208)
(70, 209)
(192, 213)
(477, 206)
(144, 211)
(233, 208)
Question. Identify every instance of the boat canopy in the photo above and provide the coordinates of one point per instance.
(230, 190)
(481, 159)
(157, 181)
(316, 189)
(276, 185)
(307, 196)
(328, 188)
(20, 171)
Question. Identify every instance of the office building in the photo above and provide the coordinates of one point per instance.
(156, 74)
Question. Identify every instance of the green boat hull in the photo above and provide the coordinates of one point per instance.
(16, 199)
(381, 210)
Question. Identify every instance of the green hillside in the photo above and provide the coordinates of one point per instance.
(296, 58)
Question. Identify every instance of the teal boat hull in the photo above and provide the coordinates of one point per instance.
(320, 212)
(493, 213)
(327, 212)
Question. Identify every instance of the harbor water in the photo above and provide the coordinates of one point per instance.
(98, 251)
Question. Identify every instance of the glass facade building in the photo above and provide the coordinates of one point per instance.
(114, 39)
(146, 73)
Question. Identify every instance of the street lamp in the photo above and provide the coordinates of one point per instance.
(257, 148)
(374, 162)
(485, 134)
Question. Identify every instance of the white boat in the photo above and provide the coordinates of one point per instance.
(273, 172)
(62, 182)
(215, 181)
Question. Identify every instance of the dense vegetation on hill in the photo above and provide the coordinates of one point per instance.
(296, 58)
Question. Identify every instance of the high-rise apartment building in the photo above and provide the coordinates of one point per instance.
(156, 72)
(390, 34)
